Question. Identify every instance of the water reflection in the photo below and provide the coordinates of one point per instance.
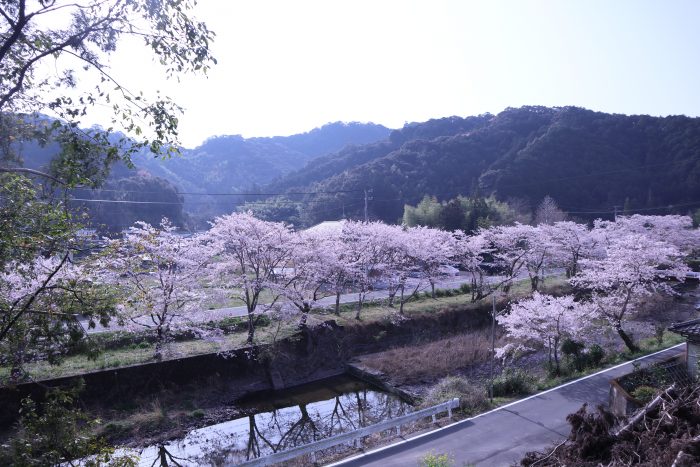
(280, 421)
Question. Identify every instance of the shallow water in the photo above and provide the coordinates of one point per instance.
(282, 420)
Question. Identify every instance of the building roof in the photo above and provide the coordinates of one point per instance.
(328, 227)
(687, 328)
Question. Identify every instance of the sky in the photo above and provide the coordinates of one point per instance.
(285, 67)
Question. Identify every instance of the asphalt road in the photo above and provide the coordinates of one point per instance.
(219, 313)
(502, 436)
(452, 282)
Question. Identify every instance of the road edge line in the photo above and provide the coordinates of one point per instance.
(451, 425)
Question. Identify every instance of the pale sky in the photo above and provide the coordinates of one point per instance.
(288, 66)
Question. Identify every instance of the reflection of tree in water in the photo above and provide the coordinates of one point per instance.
(166, 459)
(285, 428)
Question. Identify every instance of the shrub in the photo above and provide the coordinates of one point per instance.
(513, 383)
(595, 355)
(472, 398)
(436, 460)
(198, 413)
(573, 352)
(644, 393)
(465, 288)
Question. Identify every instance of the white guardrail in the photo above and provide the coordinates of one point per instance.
(352, 436)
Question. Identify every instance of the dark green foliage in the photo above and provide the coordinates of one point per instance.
(595, 355)
(55, 432)
(109, 217)
(461, 213)
(578, 357)
(644, 393)
(585, 160)
(573, 352)
(513, 382)
(225, 164)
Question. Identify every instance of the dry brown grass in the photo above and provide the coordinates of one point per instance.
(432, 360)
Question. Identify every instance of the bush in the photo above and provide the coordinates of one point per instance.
(513, 383)
(644, 393)
(472, 398)
(465, 288)
(198, 413)
(436, 460)
(595, 355)
(578, 357)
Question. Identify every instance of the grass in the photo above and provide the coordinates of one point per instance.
(425, 362)
(647, 346)
(380, 310)
(142, 352)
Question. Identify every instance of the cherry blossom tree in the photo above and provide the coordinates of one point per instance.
(673, 229)
(366, 252)
(301, 284)
(335, 268)
(469, 252)
(548, 212)
(508, 247)
(162, 271)
(571, 243)
(539, 252)
(248, 252)
(431, 250)
(39, 302)
(545, 321)
(398, 263)
(634, 267)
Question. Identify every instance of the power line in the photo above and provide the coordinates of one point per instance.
(192, 193)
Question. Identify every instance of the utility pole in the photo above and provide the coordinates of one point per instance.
(367, 198)
(493, 345)
(615, 210)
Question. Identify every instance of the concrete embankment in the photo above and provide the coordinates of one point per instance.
(312, 354)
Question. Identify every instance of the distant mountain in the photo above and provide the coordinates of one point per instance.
(587, 161)
(230, 163)
(224, 164)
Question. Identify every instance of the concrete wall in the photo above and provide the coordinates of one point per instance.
(315, 354)
(693, 357)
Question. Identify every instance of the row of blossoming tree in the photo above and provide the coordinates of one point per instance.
(166, 277)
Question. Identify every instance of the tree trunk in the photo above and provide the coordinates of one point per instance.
(557, 369)
(158, 354)
(17, 371)
(627, 340)
(251, 328)
(359, 306)
(304, 316)
(337, 303)
(401, 304)
(432, 288)
(534, 282)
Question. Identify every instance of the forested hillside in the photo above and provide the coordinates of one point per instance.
(589, 162)
(222, 164)
(229, 163)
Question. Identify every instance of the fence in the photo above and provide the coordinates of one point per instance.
(352, 436)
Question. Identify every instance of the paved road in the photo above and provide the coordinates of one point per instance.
(219, 313)
(503, 436)
(452, 282)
